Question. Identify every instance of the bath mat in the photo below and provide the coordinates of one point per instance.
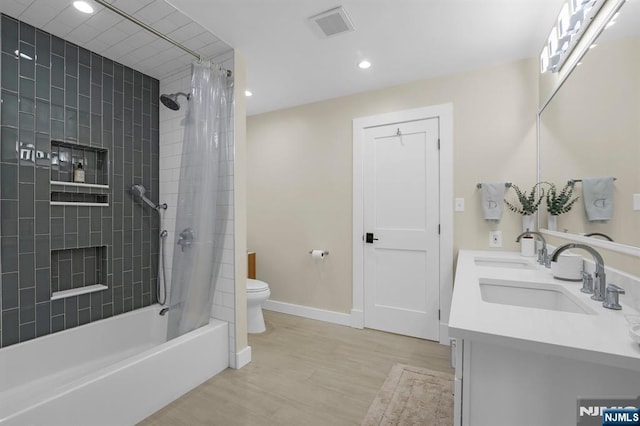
(412, 396)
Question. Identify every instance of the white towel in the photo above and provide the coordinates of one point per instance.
(492, 200)
(597, 194)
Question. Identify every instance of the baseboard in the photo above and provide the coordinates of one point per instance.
(444, 334)
(308, 312)
(243, 358)
(357, 318)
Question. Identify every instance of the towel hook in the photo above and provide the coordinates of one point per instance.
(506, 184)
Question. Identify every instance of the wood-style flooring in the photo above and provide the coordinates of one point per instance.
(303, 372)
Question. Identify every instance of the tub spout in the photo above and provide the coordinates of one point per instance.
(164, 311)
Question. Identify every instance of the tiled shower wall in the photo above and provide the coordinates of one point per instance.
(54, 92)
(172, 130)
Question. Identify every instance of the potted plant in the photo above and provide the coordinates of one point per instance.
(529, 203)
(559, 202)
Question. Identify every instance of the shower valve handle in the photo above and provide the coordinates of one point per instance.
(185, 240)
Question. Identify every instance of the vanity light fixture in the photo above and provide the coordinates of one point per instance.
(83, 6)
(248, 93)
(364, 64)
(573, 20)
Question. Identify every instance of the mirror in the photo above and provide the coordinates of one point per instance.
(591, 128)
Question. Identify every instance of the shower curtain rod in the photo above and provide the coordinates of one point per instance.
(156, 32)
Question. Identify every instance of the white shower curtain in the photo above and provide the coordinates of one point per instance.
(203, 203)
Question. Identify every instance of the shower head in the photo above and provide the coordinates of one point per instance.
(139, 190)
(171, 101)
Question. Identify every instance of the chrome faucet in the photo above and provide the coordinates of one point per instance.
(543, 258)
(601, 279)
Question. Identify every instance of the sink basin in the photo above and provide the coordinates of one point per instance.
(496, 262)
(531, 295)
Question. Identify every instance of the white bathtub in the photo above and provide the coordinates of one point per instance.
(115, 371)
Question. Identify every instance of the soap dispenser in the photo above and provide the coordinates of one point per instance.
(78, 174)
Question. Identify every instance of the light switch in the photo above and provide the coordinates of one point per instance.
(459, 205)
(636, 201)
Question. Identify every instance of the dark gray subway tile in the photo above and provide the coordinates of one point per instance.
(71, 311)
(57, 45)
(96, 306)
(9, 148)
(9, 35)
(27, 62)
(84, 57)
(43, 284)
(57, 130)
(57, 71)
(84, 316)
(9, 217)
(9, 109)
(27, 200)
(107, 88)
(9, 290)
(9, 254)
(27, 305)
(127, 305)
(10, 327)
(27, 331)
(57, 323)
(84, 81)
(42, 251)
(43, 318)
(57, 307)
(27, 265)
(84, 301)
(96, 69)
(71, 240)
(9, 77)
(71, 124)
(26, 170)
(43, 82)
(42, 185)
(43, 48)
(27, 235)
(43, 116)
(27, 33)
(71, 91)
(71, 59)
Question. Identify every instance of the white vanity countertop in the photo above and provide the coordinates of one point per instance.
(601, 337)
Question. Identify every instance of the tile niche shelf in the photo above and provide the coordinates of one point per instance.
(78, 271)
(94, 192)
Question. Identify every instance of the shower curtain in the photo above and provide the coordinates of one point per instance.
(203, 202)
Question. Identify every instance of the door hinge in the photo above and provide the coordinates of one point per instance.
(438, 229)
(438, 143)
(438, 314)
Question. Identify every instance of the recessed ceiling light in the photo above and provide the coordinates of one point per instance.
(248, 93)
(83, 6)
(364, 64)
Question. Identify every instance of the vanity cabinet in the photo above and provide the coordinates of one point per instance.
(501, 385)
(520, 365)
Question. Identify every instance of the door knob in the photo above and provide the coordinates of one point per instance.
(369, 239)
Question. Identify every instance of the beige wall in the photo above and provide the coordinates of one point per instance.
(300, 174)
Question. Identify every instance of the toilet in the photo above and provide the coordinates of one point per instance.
(257, 293)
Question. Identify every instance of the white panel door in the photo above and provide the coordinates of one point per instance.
(401, 210)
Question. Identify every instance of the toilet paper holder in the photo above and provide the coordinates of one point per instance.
(326, 252)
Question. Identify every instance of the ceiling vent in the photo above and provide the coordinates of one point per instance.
(332, 22)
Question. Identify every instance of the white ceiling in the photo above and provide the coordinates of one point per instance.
(109, 35)
(288, 64)
(405, 40)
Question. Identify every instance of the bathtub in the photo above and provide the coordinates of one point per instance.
(115, 371)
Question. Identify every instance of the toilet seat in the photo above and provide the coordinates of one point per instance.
(256, 286)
